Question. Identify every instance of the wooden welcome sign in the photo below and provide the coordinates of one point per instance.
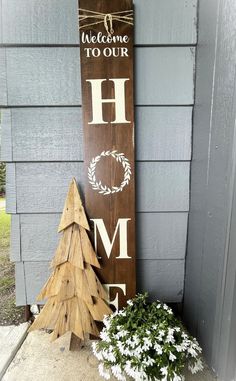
(106, 48)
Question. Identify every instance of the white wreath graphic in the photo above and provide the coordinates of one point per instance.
(104, 189)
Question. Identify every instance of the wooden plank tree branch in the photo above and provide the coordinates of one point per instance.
(75, 296)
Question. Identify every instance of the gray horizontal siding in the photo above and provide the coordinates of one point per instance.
(20, 289)
(15, 252)
(42, 187)
(3, 78)
(160, 236)
(11, 188)
(6, 151)
(51, 76)
(162, 186)
(55, 134)
(162, 279)
(1, 26)
(55, 22)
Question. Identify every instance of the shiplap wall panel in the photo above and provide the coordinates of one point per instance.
(162, 186)
(165, 75)
(20, 289)
(15, 252)
(36, 274)
(11, 188)
(42, 187)
(55, 22)
(160, 236)
(166, 131)
(1, 26)
(43, 76)
(47, 134)
(3, 77)
(55, 134)
(51, 76)
(40, 22)
(163, 279)
(6, 153)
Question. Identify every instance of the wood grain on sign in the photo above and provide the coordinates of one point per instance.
(109, 131)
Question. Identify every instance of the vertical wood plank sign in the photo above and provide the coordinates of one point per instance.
(106, 50)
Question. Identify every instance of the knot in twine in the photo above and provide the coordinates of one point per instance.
(107, 19)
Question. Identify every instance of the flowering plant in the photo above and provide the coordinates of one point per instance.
(145, 342)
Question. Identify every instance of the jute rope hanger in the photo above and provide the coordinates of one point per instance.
(106, 18)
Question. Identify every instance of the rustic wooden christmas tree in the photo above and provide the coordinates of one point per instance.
(75, 297)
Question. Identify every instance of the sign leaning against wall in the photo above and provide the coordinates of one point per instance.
(106, 53)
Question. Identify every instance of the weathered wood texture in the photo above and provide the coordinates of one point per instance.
(159, 236)
(55, 134)
(51, 76)
(152, 276)
(55, 22)
(42, 187)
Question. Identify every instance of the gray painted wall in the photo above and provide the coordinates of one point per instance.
(42, 136)
(210, 292)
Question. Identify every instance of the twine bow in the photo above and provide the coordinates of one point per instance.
(105, 18)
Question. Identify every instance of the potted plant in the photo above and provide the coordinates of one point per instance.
(145, 341)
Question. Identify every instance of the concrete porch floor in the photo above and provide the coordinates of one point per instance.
(39, 359)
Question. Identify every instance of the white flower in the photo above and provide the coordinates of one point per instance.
(104, 373)
(138, 351)
(172, 357)
(177, 378)
(160, 335)
(198, 366)
(164, 371)
(95, 352)
(121, 313)
(170, 336)
(180, 348)
(107, 354)
(104, 336)
(130, 302)
(192, 352)
(106, 321)
(147, 343)
(130, 370)
(117, 371)
(136, 339)
(148, 361)
(158, 348)
(123, 349)
(130, 342)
